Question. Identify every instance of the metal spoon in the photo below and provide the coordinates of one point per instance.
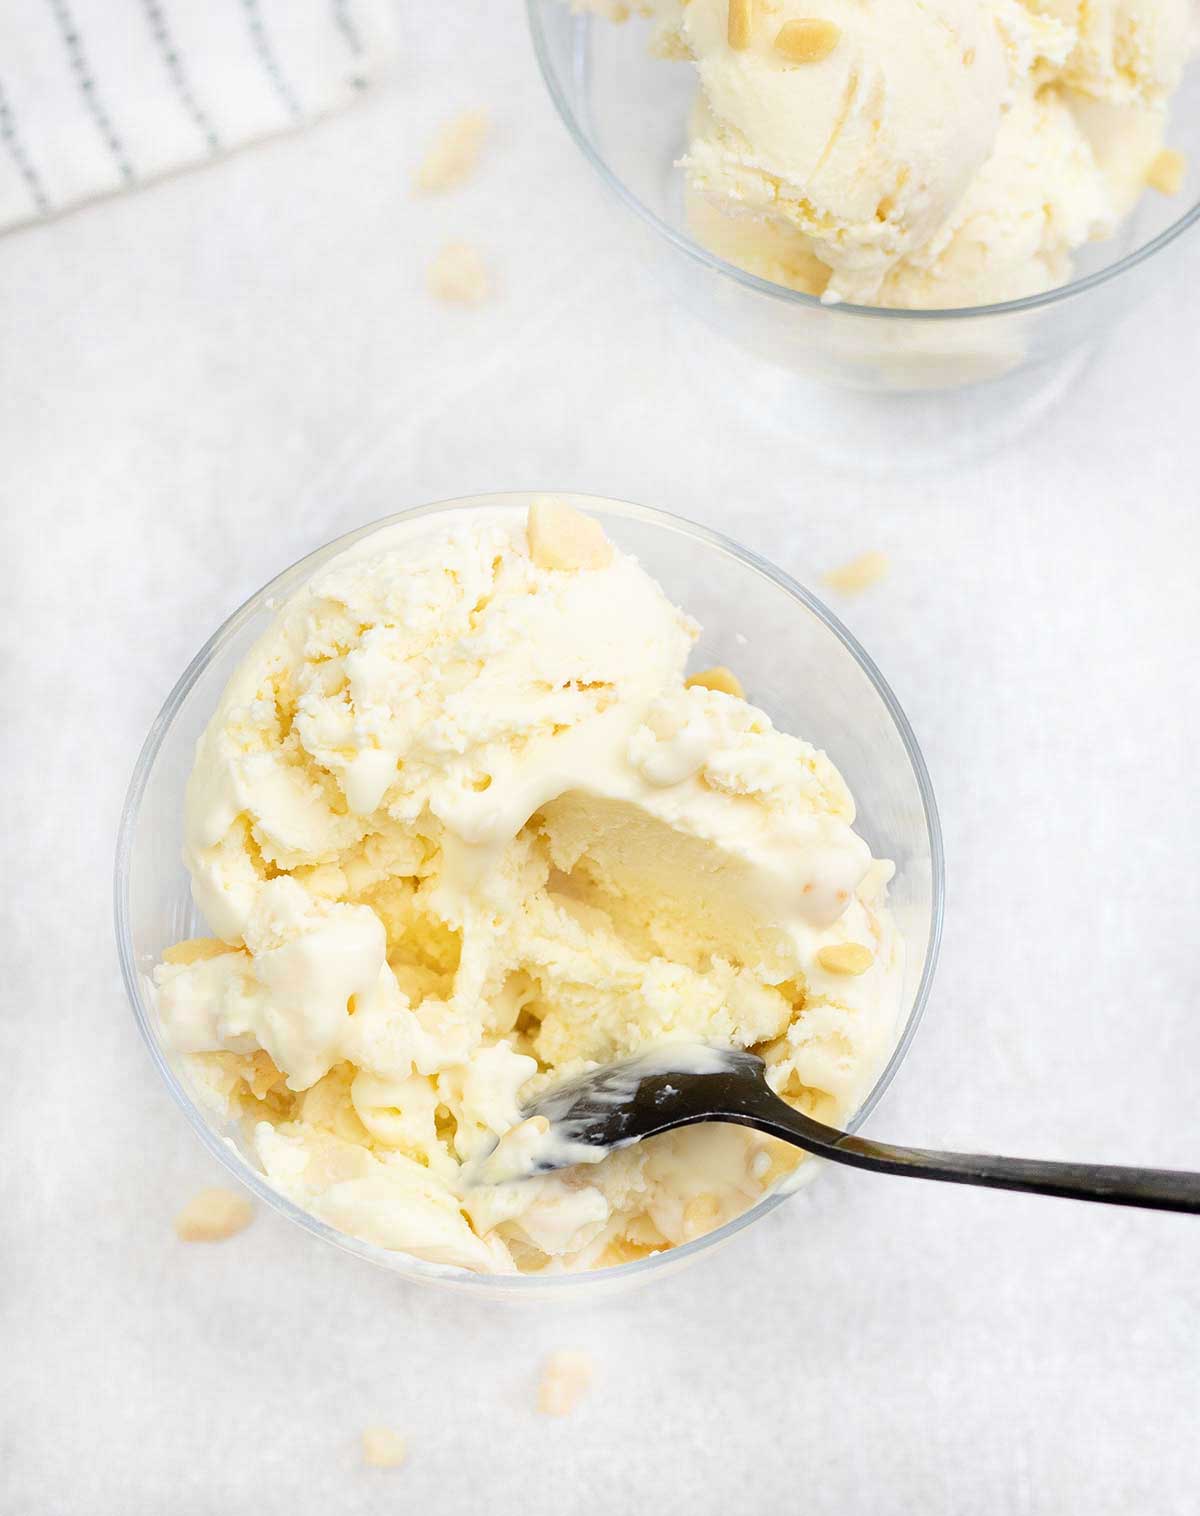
(583, 1119)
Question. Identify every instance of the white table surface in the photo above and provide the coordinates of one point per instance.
(201, 382)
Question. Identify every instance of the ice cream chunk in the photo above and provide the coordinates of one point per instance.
(1038, 197)
(461, 828)
(934, 154)
(307, 965)
(863, 153)
(1123, 50)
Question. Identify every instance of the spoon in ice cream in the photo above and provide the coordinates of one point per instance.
(584, 1119)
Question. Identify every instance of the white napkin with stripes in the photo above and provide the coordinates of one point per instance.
(101, 95)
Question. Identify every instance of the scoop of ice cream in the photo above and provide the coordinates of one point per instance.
(865, 151)
(1124, 51)
(1039, 196)
(921, 155)
(464, 830)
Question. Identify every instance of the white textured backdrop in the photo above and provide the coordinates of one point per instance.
(203, 381)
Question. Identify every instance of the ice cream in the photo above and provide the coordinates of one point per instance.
(946, 153)
(460, 828)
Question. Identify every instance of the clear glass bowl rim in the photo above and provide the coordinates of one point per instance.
(277, 589)
(701, 254)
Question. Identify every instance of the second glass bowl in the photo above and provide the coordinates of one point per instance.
(991, 368)
(796, 661)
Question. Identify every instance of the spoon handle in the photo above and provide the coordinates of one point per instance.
(1112, 1184)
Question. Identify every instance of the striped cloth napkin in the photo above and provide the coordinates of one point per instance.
(101, 95)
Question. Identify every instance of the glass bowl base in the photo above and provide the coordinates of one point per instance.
(885, 432)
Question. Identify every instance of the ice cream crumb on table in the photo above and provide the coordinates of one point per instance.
(383, 1448)
(213, 1215)
(454, 154)
(858, 574)
(459, 275)
(566, 1379)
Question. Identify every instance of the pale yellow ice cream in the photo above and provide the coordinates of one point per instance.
(933, 154)
(460, 829)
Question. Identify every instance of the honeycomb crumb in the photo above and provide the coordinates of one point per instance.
(700, 1215)
(1168, 171)
(771, 1162)
(195, 950)
(262, 1076)
(213, 1215)
(807, 40)
(459, 275)
(324, 880)
(775, 1160)
(622, 1250)
(741, 24)
(717, 678)
(665, 721)
(454, 154)
(563, 538)
(515, 1155)
(383, 1448)
(846, 958)
(857, 575)
(670, 43)
(566, 1376)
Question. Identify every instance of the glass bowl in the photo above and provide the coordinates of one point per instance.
(859, 384)
(796, 660)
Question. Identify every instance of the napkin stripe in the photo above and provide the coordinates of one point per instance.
(344, 22)
(266, 56)
(20, 158)
(174, 66)
(87, 86)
